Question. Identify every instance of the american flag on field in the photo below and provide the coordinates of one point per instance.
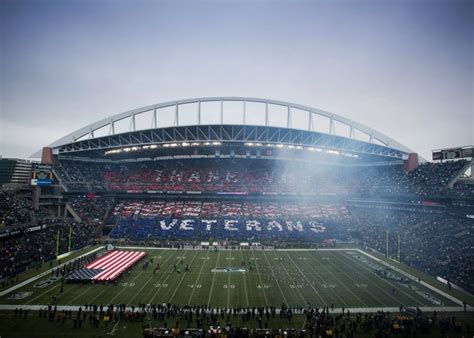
(108, 267)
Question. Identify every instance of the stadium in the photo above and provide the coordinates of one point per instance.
(236, 216)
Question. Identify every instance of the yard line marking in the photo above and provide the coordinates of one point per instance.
(260, 278)
(245, 281)
(114, 328)
(410, 276)
(294, 281)
(276, 279)
(197, 279)
(213, 278)
(228, 283)
(338, 279)
(49, 290)
(161, 283)
(307, 280)
(323, 280)
(148, 281)
(182, 278)
(385, 281)
(124, 288)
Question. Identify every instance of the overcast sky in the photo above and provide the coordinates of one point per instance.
(404, 68)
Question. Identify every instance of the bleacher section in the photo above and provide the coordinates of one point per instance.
(258, 177)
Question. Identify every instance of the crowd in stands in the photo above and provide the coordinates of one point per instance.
(268, 210)
(32, 246)
(259, 176)
(462, 189)
(92, 209)
(17, 210)
(439, 244)
(269, 221)
(167, 320)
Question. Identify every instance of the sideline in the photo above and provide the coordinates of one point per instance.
(406, 274)
(45, 273)
(336, 310)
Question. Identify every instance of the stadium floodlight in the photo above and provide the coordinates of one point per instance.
(258, 144)
(299, 147)
(216, 143)
(279, 145)
(290, 146)
(185, 144)
(153, 146)
(249, 144)
(207, 143)
(195, 143)
(127, 149)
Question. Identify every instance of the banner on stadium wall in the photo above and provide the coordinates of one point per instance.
(10, 233)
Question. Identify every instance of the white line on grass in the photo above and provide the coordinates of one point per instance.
(293, 281)
(124, 288)
(245, 281)
(260, 278)
(304, 276)
(276, 279)
(336, 310)
(49, 290)
(161, 285)
(228, 281)
(213, 278)
(198, 278)
(182, 278)
(378, 277)
(148, 281)
(369, 281)
(406, 274)
(335, 293)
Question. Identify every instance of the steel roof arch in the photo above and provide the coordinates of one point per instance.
(109, 121)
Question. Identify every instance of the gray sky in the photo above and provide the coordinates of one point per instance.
(404, 68)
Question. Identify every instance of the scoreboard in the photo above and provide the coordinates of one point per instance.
(41, 174)
(453, 153)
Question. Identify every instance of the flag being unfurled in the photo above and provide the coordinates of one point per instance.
(108, 267)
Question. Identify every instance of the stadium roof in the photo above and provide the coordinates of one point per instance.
(229, 120)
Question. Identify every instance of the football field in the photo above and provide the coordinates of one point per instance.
(342, 278)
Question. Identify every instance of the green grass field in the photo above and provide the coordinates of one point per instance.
(344, 278)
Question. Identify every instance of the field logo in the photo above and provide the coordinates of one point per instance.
(46, 282)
